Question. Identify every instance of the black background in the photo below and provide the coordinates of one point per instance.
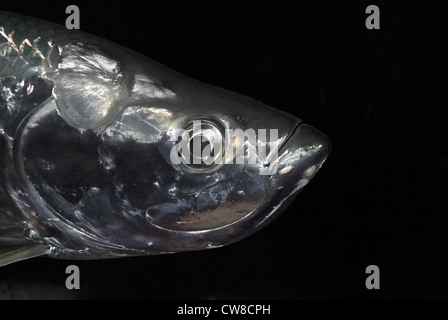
(380, 96)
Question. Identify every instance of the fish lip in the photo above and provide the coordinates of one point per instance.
(290, 134)
(326, 143)
(305, 145)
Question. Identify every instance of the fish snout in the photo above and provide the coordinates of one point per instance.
(303, 153)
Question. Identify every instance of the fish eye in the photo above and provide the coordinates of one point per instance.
(206, 145)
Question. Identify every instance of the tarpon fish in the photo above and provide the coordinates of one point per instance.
(87, 131)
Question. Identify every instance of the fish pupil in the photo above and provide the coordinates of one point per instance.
(202, 142)
(196, 155)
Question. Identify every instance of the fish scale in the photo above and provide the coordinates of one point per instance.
(30, 29)
(95, 141)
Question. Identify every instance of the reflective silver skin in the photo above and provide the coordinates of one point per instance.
(85, 137)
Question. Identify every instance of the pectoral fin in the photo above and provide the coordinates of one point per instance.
(15, 253)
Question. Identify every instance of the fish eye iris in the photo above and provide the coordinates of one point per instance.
(206, 144)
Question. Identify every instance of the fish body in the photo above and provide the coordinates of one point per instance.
(92, 149)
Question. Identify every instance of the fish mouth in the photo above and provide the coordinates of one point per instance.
(289, 136)
(300, 157)
(304, 142)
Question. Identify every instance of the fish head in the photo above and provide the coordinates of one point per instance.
(154, 162)
(226, 164)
